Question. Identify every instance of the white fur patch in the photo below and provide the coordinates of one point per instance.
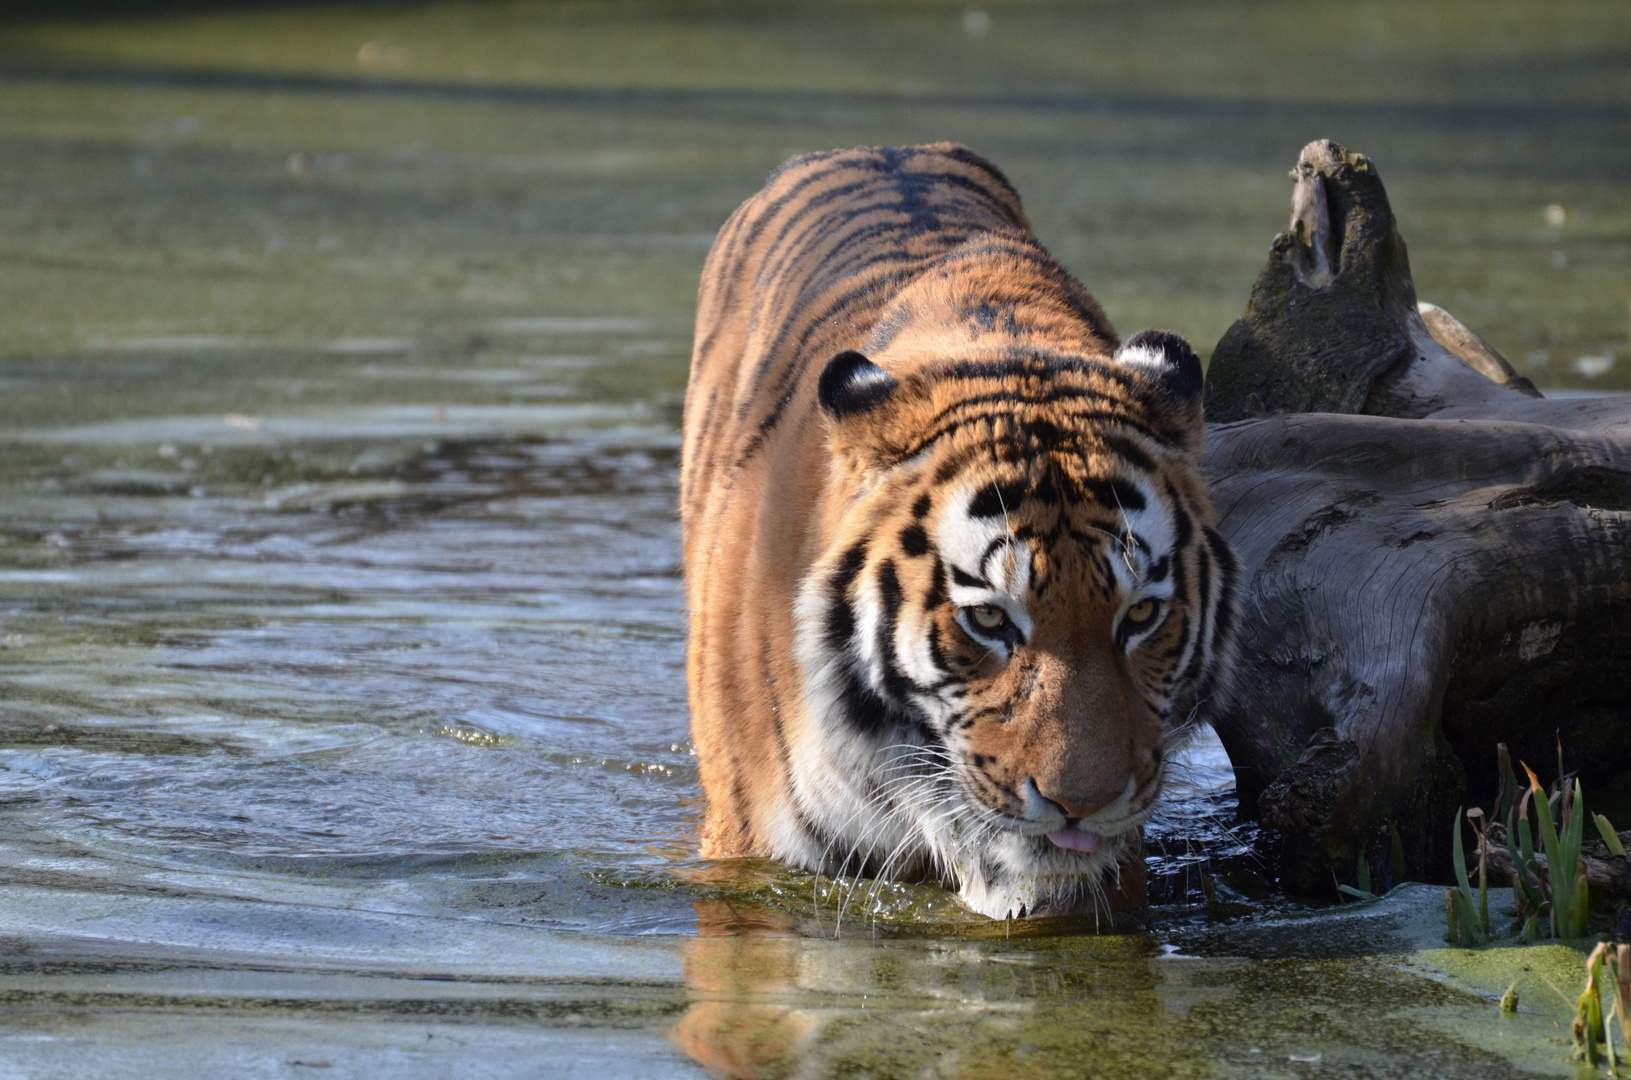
(1142, 356)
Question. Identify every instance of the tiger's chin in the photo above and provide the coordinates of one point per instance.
(1015, 875)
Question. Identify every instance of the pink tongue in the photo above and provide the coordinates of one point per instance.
(1075, 840)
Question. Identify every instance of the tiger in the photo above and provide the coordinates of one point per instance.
(954, 585)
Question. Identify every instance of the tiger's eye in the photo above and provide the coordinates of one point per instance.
(1141, 612)
(988, 616)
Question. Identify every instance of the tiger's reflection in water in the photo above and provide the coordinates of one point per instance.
(766, 1003)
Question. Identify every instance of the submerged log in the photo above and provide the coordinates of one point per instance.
(1436, 558)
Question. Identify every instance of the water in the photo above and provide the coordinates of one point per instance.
(342, 715)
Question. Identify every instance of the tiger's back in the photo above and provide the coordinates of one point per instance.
(795, 469)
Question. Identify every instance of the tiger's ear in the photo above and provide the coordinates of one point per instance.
(850, 384)
(1168, 360)
(1171, 365)
(861, 401)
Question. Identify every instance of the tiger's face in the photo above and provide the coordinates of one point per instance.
(1025, 606)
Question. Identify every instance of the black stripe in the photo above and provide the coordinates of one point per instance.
(1180, 519)
(1180, 645)
(866, 712)
(1129, 451)
(1180, 574)
(995, 500)
(1040, 362)
(1203, 604)
(936, 595)
(953, 465)
(1046, 490)
(1114, 492)
(889, 592)
(997, 543)
(840, 615)
(896, 683)
(1228, 574)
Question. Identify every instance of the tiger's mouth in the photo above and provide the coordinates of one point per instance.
(1032, 857)
(1075, 838)
(1086, 833)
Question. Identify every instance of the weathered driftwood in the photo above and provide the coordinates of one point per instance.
(1609, 875)
(1436, 557)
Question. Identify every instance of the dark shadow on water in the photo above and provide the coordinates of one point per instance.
(57, 11)
(1457, 118)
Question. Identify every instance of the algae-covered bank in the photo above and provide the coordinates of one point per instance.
(342, 706)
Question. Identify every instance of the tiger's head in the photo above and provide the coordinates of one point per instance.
(1024, 606)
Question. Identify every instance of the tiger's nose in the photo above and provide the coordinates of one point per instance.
(1076, 810)
(1038, 801)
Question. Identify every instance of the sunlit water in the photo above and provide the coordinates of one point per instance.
(451, 662)
(473, 653)
(342, 704)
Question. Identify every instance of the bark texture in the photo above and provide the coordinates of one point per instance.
(1437, 558)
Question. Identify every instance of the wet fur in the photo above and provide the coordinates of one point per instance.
(982, 441)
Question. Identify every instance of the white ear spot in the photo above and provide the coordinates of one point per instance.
(1143, 356)
(862, 380)
(850, 383)
(1167, 360)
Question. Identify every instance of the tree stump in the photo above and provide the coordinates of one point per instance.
(1436, 558)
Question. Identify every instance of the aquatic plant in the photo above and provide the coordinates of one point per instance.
(1559, 891)
(1566, 874)
(1550, 896)
(1610, 838)
(1608, 968)
(1393, 870)
(1361, 891)
(1469, 923)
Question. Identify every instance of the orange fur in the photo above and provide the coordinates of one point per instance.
(996, 377)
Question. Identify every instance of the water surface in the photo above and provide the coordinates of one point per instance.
(342, 714)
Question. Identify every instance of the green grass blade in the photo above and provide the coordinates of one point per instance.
(1550, 842)
(1483, 893)
(1522, 857)
(1458, 857)
(1575, 827)
(1526, 839)
(1462, 920)
(1610, 837)
(1569, 876)
(1509, 782)
(1559, 879)
(1469, 919)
